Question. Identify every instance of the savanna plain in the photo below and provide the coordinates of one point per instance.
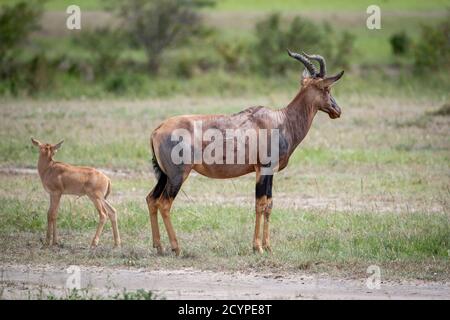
(369, 189)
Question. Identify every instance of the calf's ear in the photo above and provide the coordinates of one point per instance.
(36, 142)
(58, 145)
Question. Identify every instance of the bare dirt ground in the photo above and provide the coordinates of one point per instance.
(39, 281)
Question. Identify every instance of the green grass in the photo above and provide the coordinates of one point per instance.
(85, 294)
(63, 4)
(369, 188)
(100, 133)
(268, 5)
(217, 237)
(335, 5)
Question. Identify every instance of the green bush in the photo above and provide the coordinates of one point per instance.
(235, 54)
(105, 47)
(273, 40)
(41, 73)
(187, 64)
(124, 83)
(156, 25)
(16, 24)
(343, 50)
(433, 48)
(400, 43)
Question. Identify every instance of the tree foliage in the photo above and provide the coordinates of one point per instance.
(156, 25)
(433, 48)
(16, 24)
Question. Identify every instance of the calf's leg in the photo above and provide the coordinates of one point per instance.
(51, 219)
(112, 214)
(102, 219)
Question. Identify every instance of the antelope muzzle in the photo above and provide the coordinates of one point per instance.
(334, 111)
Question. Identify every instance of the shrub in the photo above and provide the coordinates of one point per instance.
(273, 40)
(123, 83)
(234, 54)
(40, 73)
(105, 46)
(343, 50)
(155, 25)
(400, 43)
(433, 48)
(16, 24)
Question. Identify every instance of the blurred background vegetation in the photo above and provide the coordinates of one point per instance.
(152, 48)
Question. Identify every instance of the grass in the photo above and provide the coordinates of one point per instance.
(443, 110)
(268, 5)
(100, 133)
(309, 5)
(219, 237)
(84, 294)
(63, 4)
(369, 188)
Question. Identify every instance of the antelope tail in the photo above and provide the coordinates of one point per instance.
(108, 191)
(107, 206)
(156, 168)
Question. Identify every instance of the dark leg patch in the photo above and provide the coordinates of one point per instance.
(172, 188)
(159, 188)
(264, 187)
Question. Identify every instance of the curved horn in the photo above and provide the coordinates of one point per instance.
(308, 65)
(321, 60)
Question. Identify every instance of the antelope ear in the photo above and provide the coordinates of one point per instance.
(58, 145)
(35, 142)
(329, 81)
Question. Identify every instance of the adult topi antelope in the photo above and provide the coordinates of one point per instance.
(61, 178)
(290, 126)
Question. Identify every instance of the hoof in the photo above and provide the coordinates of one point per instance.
(258, 250)
(177, 251)
(267, 249)
(159, 249)
(53, 245)
(46, 243)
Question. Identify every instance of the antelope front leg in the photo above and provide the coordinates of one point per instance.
(266, 231)
(259, 209)
(51, 219)
(263, 207)
(48, 238)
